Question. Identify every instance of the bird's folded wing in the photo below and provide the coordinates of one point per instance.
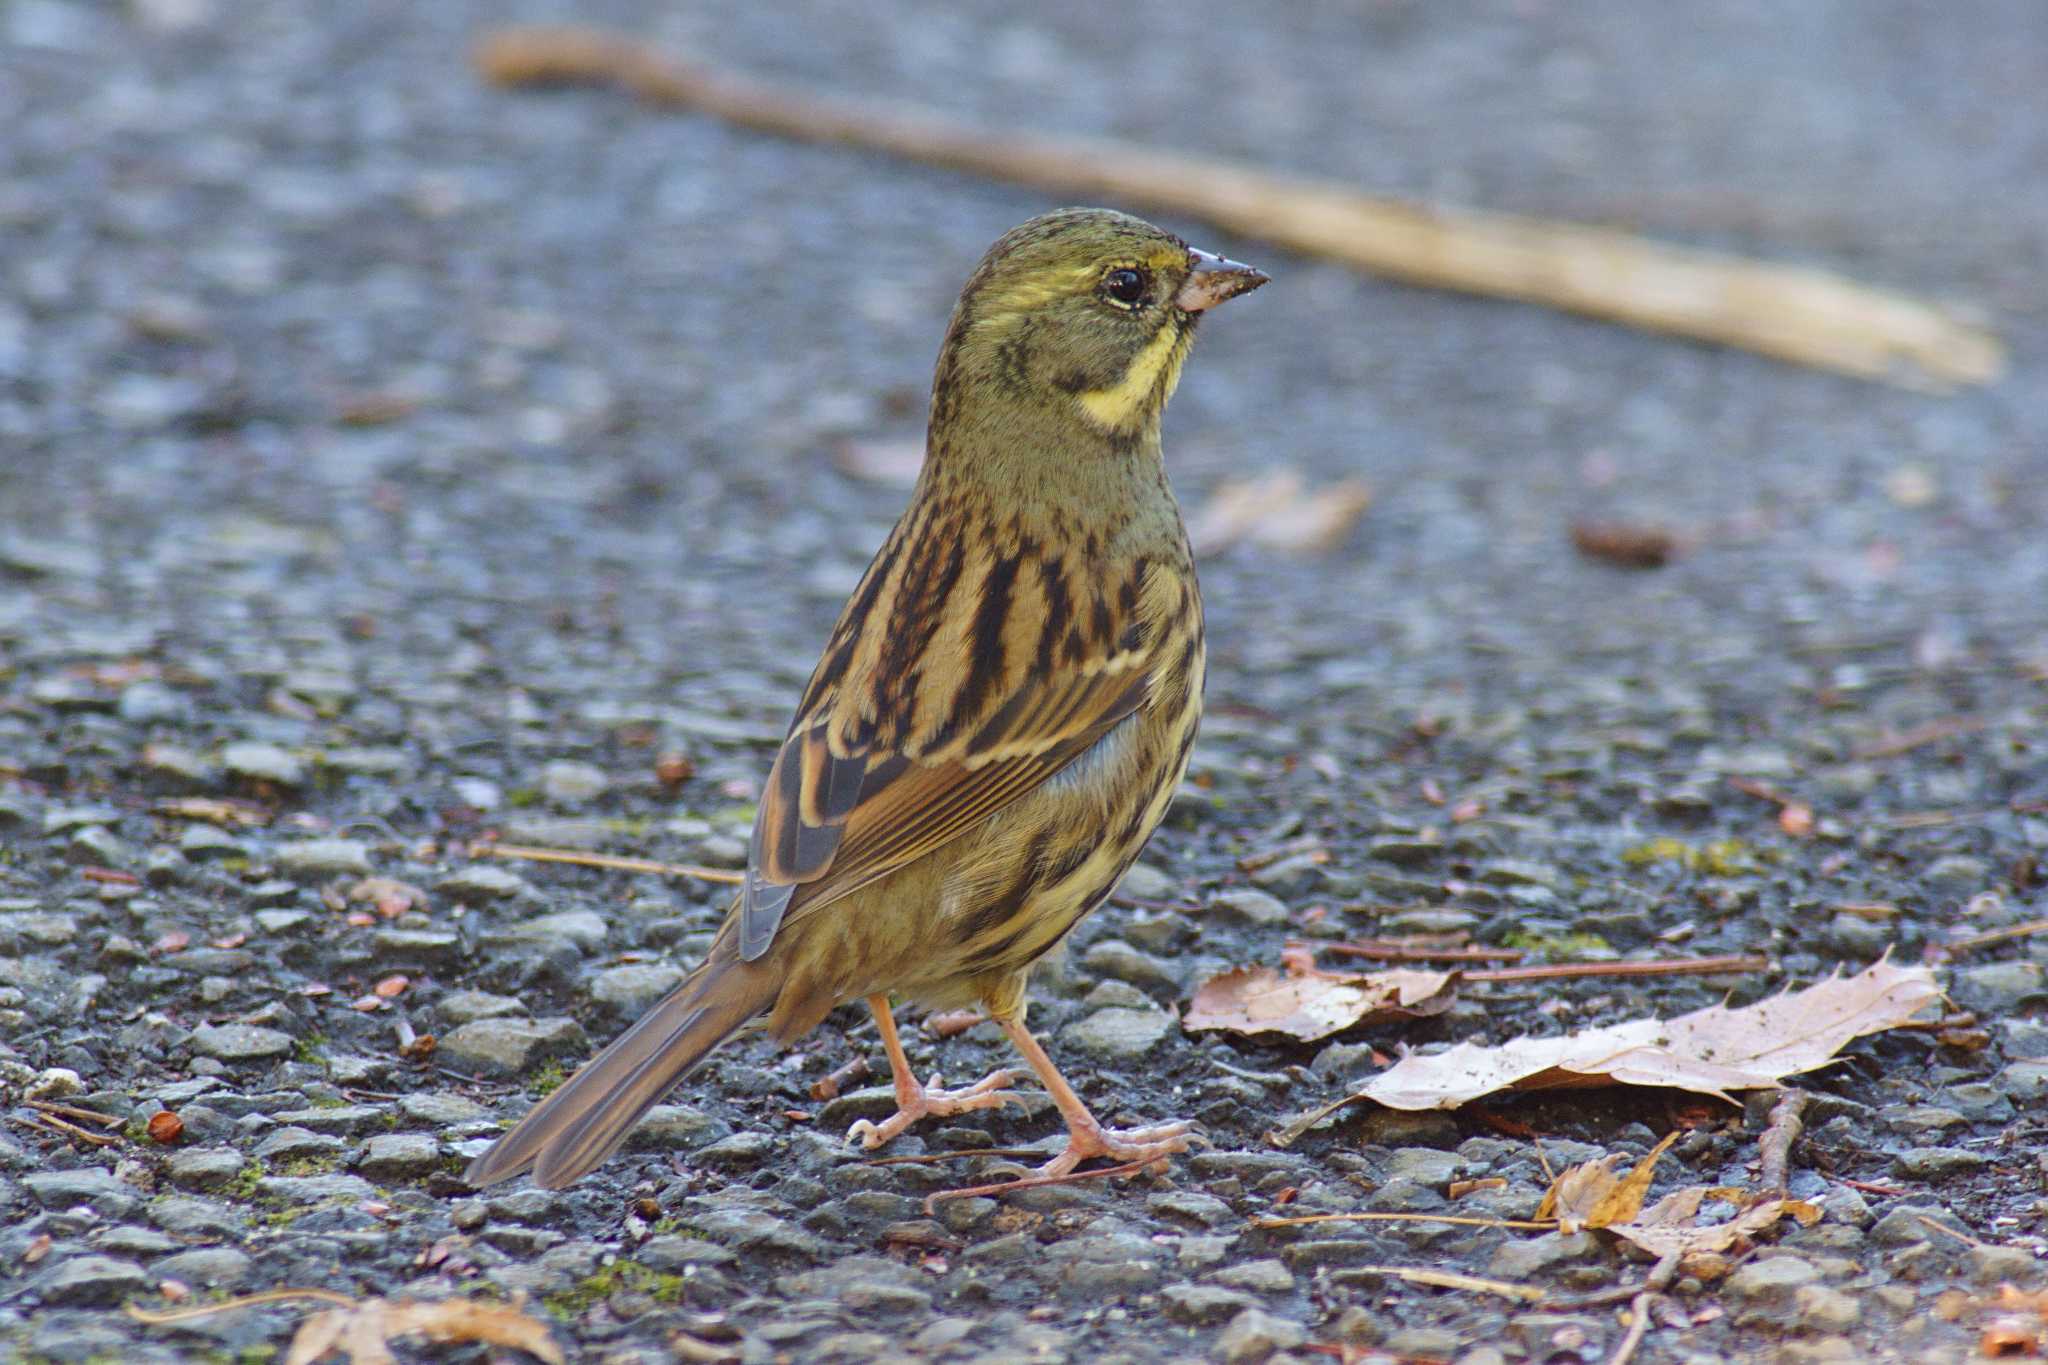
(831, 823)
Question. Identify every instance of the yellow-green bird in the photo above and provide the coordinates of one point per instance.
(1000, 718)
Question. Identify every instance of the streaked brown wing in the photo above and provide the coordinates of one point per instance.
(830, 823)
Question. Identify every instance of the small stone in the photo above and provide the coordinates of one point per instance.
(633, 987)
(1201, 1304)
(1263, 1277)
(416, 947)
(313, 860)
(389, 764)
(182, 1216)
(206, 841)
(148, 702)
(96, 1189)
(466, 1007)
(97, 845)
(292, 1143)
(55, 1083)
(1526, 1258)
(440, 1110)
(1990, 1265)
(509, 1046)
(586, 929)
(740, 1152)
(92, 1281)
(1258, 909)
(1426, 1165)
(205, 1267)
(668, 1127)
(1819, 1308)
(480, 883)
(1958, 872)
(254, 761)
(1119, 1034)
(567, 782)
(1255, 1334)
(1144, 882)
(1119, 960)
(205, 1168)
(1772, 1281)
(1936, 1163)
(240, 1042)
(2023, 1082)
(1996, 989)
(399, 1156)
(300, 1191)
(1202, 1210)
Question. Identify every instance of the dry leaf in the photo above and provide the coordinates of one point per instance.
(1307, 1002)
(1625, 544)
(1279, 511)
(1590, 1195)
(1716, 1237)
(1713, 1051)
(361, 1333)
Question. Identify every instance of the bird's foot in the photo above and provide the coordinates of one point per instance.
(1149, 1146)
(916, 1102)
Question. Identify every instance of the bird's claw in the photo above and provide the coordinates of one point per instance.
(1151, 1145)
(929, 1101)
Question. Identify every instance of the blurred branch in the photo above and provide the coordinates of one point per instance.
(1792, 313)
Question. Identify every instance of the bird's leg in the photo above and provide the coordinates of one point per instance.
(915, 1101)
(1086, 1137)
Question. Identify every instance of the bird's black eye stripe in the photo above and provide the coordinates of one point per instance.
(1124, 285)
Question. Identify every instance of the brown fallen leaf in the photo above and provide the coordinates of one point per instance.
(1713, 1051)
(362, 1332)
(1279, 511)
(1306, 1002)
(1591, 1195)
(1662, 1239)
(1625, 544)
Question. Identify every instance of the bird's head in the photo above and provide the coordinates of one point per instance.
(1080, 318)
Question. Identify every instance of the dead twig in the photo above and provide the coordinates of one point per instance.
(1905, 741)
(1991, 936)
(1638, 1328)
(207, 1310)
(64, 1128)
(1454, 1219)
(1391, 950)
(72, 1111)
(1445, 1279)
(1035, 1182)
(1793, 313)
(827, 1087)
(1774, 1149)
(612, 862)
(1678, 966)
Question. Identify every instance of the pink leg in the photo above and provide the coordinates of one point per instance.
(915, 1101)
(1086, 1137)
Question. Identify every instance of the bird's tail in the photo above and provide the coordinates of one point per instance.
(574, 1129)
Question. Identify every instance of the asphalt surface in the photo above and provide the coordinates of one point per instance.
(422, 462)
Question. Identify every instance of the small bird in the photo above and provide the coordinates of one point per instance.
(1001, 716)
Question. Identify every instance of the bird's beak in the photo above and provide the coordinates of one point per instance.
(1211, 280)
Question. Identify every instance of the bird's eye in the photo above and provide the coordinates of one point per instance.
(1125, 285)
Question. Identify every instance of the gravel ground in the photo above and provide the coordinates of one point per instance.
(409, 459)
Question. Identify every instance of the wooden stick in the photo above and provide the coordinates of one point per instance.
(1792, 313)
(611, 862)
(1677, 966)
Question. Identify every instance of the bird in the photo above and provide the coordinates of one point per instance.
(998, 722)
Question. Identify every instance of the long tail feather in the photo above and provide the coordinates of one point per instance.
(574, 1129)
